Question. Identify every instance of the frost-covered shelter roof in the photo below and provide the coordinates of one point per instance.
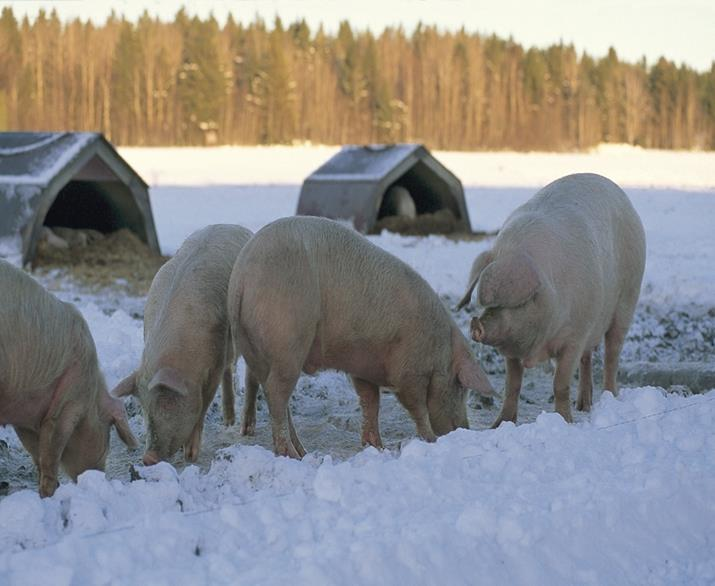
(72, 179)
(352, 184)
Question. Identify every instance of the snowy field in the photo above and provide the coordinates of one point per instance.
(622, 496)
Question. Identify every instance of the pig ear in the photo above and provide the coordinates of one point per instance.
(118, 417)
(170, 379)
(467, 370)
(477, 267)
(509, 281)
(471, 375)
(127, 386)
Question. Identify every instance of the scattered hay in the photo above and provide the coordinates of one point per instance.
(442, 222)
(119, 260)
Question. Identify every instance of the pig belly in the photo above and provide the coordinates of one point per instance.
(354, 360)
(26, 410)
(541, 355)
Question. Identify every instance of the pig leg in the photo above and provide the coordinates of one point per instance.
(278, 389)
(565, 367)
(614, 342)
(414, 399)
(585, 383)
(369, 394)
(248, 418)
(228, 398)
(510, 406)
(55, 431)
(294, 436)
(31, 443)
(193, 447)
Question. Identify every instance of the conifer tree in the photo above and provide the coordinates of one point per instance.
(192, 81)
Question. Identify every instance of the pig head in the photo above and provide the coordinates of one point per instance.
(517, 303)
(172, 406)
(88, 446)
(447, 404)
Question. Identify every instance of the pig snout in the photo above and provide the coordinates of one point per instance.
(150, 458)
(477, 330)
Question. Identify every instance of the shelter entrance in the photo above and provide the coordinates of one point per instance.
(426, 190)
(105, 206)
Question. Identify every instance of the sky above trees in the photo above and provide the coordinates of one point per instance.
(680, 30)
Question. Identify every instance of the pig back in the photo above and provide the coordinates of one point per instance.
(356, 289)
(580, 218)
(185, 312)
(196, 279)
(39, 335)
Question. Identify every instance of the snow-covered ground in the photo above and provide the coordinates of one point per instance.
(277, 165)
(624, 495)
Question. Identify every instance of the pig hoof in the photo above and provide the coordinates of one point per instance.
(48, 486)
(288, 450)
(501, 419)
(150, 458)
(300, 450)
(191, 453)
(372, 439)
(566, 415)
(583, 405)
(248, 428)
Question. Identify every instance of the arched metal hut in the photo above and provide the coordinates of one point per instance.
(71, 179)
(351, 185)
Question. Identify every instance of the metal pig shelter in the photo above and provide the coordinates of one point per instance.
(351, 185)
(70, 179)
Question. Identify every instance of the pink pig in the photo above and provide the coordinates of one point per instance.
(51, 389)
(564, 273)
(187, 344)
(308, 294)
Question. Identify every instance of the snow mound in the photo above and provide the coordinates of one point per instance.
(622, 498)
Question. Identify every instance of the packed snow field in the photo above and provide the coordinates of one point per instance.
(624, 495)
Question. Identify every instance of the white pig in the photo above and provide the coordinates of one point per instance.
(309, 294)
(564, 272)
(51, 389)
(398, 202)
(187, 343)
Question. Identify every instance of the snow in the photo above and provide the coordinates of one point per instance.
(606, 501)
(628, 166)
(54, 159)
(33, 146)
(624, 495)
(17, 210)
(11, 249)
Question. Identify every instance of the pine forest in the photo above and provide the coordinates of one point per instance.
(195, 81)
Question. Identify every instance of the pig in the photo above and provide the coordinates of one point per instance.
(78, 238)
(49, 236)
(51, 389)
(187, 344)
(307, 294)
(563, 274)
(398, 202)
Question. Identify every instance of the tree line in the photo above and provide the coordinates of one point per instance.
(193, 81)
